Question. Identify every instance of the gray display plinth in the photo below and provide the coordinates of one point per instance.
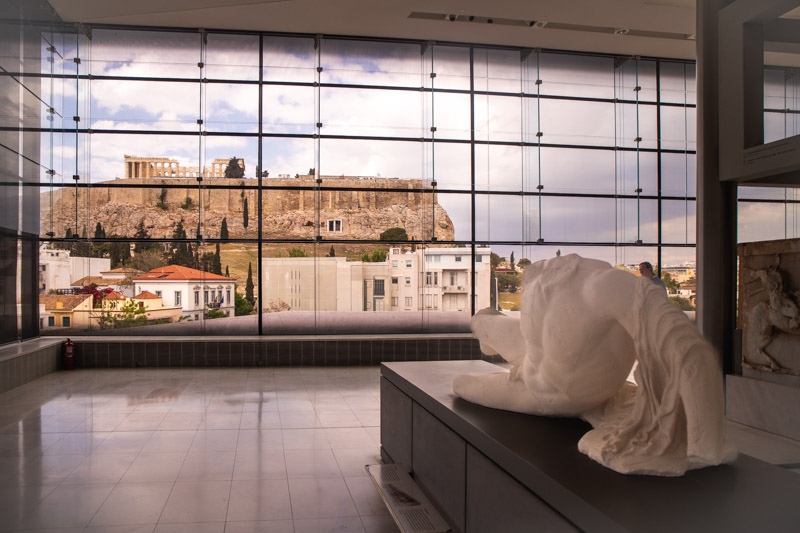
(492, 470)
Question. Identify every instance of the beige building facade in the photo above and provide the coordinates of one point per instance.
(433, 279)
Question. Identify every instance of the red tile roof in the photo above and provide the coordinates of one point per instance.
(176, 272)
(146, 295)
(114, 295)
(68, 301)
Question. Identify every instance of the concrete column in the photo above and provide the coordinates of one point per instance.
(716, 201)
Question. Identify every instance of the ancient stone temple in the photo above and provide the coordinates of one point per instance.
(162, 167)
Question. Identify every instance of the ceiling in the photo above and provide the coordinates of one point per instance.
(662, 28)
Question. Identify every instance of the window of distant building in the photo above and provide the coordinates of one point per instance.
(158, 293)
(379, 290)
(458, 259)
(478, 258)
(196, 297)
(408, 263)
(335, 225)
(394, 280)
(394, 301)
(394, 264)
(408, 282)
(177, 298)
(51, 321)
(205, 297)
(409, 302)
(65, 321)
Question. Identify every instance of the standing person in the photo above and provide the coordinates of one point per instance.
(646, 271)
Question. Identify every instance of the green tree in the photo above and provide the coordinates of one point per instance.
(507, 282)
(248, 288)
(495, 260)
(245, 214)
(99, 232)
(216, 265)
(180, 253)
(141, 233)
(188, 203)
(148, 260)
(234, 170)
(332, 252)
(683, 303)
(394, 234)
(223, 231)
(524, 263)
(511, 261)
(241, 305)
(671, 284)
(297, 252)
(227, 272)
(162, 200)
(206, 262)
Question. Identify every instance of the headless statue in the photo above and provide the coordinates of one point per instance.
(582, 326)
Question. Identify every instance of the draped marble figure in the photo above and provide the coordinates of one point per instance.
(582, 326)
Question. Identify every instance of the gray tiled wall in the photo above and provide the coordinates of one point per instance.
(20, 370)
(311, 352)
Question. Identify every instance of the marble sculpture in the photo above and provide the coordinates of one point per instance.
(582, 326)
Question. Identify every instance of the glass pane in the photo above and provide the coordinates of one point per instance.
(231, 57)
(675, 83)
(679, 174)
(289, 110)
(231, 108)
(457, 209)
(371, 63)
(573, 170)
(499, 168)
(497, 70)
(574, 75)
(774, 88)
(452, 164)
(678, 221)
(583, 123)
(761, 221)
(219, 153)
(762, 193)
(637, 170)
(637, 121)
(637, 220)
(505, 284)
(377, 159)
(148, 105)
(451, 116)
(636, 73)
(451, 65)
(286, 158)
(143, 157)
(678, 128)
(369, 112)
(578, 219)
(289, 59)
(145, 53)
(497, 118)
(499, 217)
(776, 126)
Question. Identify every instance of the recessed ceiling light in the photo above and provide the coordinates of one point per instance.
(620, 31)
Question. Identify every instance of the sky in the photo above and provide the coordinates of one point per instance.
(175, 106)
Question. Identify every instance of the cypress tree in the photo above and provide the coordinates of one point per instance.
(223, 232)
(248, 288)
(245, 214)
(227, 272)
(216, 266)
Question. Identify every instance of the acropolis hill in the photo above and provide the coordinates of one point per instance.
(286, 213)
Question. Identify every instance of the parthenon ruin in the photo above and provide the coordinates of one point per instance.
(162, 167)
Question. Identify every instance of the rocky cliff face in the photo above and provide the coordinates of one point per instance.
(286, 213)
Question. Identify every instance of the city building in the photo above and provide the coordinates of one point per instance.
(194, 291)
(58, 269)
(431, 279)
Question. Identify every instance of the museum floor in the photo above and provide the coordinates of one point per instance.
(209, 450)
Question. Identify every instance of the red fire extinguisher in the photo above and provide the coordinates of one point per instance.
(69, 355)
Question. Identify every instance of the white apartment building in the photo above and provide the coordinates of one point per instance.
(190, 289)
(58, 269)
(435, 279)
